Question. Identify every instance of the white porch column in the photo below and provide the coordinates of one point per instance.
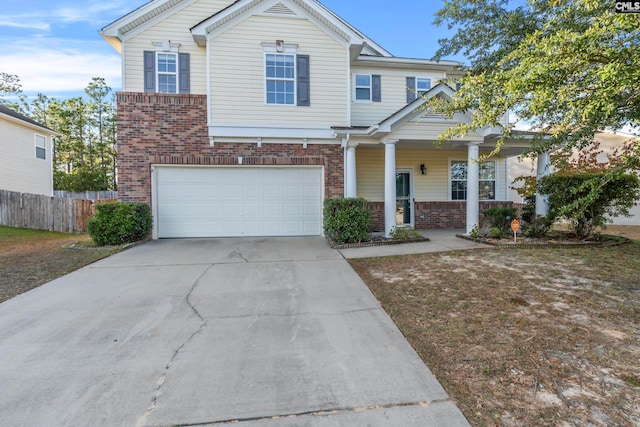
(351, 177)
(543, 169)
(389, 186)
(473, 185)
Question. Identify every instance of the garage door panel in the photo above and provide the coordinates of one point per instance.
(238, 201)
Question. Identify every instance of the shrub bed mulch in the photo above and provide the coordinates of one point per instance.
(376, 241)
(555, 239)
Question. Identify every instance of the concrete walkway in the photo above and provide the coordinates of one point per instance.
(269, 332)
(440, 241)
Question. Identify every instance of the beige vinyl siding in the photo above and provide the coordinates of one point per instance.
(20, 170)
(176, 28)
(394, 94)
(432, 187)
(238, 74)
(424, 130)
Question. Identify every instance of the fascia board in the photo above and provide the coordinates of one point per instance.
(31, 126)
(226, 130)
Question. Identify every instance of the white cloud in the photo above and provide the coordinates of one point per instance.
(50, 69)
(96, 13)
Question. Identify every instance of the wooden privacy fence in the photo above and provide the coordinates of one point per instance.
(46, 213)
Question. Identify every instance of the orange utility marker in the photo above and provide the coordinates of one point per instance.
(515, 226)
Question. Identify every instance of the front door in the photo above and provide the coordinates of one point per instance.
(404, 198)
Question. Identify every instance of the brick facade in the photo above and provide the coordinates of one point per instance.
(172, 130)
(436, 215)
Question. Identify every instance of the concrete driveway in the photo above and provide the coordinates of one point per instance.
(269, 332)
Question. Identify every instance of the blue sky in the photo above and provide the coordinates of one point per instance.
(55, 48)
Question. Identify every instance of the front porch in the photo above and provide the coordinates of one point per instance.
(428, 187)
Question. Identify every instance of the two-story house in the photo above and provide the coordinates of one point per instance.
(26, 150)
(238, 118)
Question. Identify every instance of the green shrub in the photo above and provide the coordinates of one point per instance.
(119, 223)
(589, 199)
(501, 217)
(404, 233)
(347, 220)
(537, 227)
(496, 233)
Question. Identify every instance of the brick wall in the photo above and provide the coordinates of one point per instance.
(435, 215)
(172, 129)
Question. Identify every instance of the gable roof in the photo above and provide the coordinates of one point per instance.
(115, 31)
(8, 112)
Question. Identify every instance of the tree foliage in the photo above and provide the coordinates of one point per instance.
(569, 68)
(591, 188)
(84, 155)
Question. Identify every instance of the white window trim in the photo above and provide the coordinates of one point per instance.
(294, 79)
(44, 138)
(164, 73)
(495, 180)
(419, 90)
(356, 87)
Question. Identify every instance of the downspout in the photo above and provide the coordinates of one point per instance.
(345, 142)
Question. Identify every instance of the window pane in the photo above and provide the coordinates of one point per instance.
(459, 170)
(166, 63)
(423, 84)
(458, 190)
(167, 83)
(363, 80)
(487, 190)
(362, 93)
(41, 153)
(488, 170)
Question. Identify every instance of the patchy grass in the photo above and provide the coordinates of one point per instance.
(523, 337)
(30, 258)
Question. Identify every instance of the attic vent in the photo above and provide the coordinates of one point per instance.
(280, 9)
(433, 116)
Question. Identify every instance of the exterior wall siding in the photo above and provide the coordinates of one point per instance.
(238, 70)
(20, 170)
(434, 186)
(394, 94)
(171, 129)
(177, 29)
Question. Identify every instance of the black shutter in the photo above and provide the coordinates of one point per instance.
(149, 71)
(411, 89)
(376, 91)
(303, 81)
(184, 79)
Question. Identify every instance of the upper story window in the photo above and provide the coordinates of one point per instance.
(41, 147)
(166, 70)
(422, 85)
(486, 177)
(367, 87)
(363, 87)
(280, 79)
(417, 86)
(167, 66)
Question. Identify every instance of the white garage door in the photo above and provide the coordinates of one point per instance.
(238, 202)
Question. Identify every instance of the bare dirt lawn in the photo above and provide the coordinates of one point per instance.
(30, 258)
(524, 337)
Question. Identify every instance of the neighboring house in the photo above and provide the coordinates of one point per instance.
(240, 118)
(608, 142)
(26, 149)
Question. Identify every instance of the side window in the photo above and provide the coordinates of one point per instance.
(486, 180)
(368, 87)
(41, 147)
(167, 72)
(363, 87)
(422, 85)
(280, 71)
(167, 69)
